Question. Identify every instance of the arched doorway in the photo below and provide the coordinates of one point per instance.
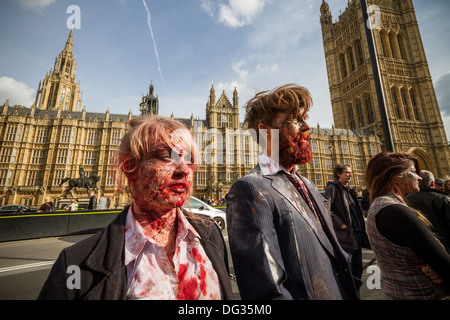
(426, 163)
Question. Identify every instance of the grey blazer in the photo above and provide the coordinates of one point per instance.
(278, 250)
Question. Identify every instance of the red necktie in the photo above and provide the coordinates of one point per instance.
(301, 188)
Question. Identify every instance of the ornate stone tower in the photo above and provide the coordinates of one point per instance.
(411, 103)
(59, 90)
(222, 113)
(150, 103)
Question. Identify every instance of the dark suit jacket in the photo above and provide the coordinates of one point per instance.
(92, 203)
(103, 272)
(340, 213)
(278, 251)
(435, 205)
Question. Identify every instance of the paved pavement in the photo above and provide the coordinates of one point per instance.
(25, 265)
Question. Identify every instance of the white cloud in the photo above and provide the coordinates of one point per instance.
(281, 28)
(270, 68)
(237, 67)
(234, 13)
(442, 88)
(36, 4)
(208, 7)
(17, 92)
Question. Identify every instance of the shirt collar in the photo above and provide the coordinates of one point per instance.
(136, 238)
(269, 166)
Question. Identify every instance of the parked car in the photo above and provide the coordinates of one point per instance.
(201, 208)
(17, 207)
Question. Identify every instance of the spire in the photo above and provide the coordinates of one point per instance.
(69, 42)
(235, 98)
(325, 13)
(151, 89)
(212, 96)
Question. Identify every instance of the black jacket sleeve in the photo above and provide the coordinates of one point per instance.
(403, 227)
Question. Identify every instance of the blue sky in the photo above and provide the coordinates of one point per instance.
(252, 45)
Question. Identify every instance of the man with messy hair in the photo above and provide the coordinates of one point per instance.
(281, 238)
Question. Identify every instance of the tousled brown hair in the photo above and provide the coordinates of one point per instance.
(291, 99)
(382, 169)
(338, 169)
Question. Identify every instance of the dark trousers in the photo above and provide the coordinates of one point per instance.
(356, 259)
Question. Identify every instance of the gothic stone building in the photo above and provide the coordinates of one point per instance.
(411, 103)
(51, 140)
(229, 151)
(42, 145)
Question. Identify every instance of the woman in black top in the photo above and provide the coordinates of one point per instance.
(401, 237)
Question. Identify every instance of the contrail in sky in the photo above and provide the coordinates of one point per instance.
(149, 18)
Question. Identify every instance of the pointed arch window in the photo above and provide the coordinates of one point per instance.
(360, 113)
(350, 58)
(67, 100)
(351, 117)
(359, 54)
(404, 104)
(393, 44)
(395, 101)
(385, 44)
(369, 110)
(61, 97)
(402, 46)
(343, 66)
(415, 106)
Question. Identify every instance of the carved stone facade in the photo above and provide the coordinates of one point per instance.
(228, 152)
(59, 89)
(42, 145)
(39, 148)
(411, 103)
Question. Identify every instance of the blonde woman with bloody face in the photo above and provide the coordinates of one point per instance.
(401, 237)
(154, 249)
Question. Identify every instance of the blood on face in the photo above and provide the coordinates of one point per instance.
(161, 181)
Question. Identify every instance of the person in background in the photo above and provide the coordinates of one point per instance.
(154, 249)
(439, 184)
(71, 206)
(102, 202)
(365, 202)
(347, 217)
(435, 206)
(281, 237)
(92, 200)
(46, 206)
(447, 185)
(405, 247)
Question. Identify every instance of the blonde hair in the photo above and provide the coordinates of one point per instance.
(145, 134)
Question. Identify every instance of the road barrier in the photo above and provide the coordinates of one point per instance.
(22, 226)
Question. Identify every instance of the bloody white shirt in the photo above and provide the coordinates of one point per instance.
(150, 275)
